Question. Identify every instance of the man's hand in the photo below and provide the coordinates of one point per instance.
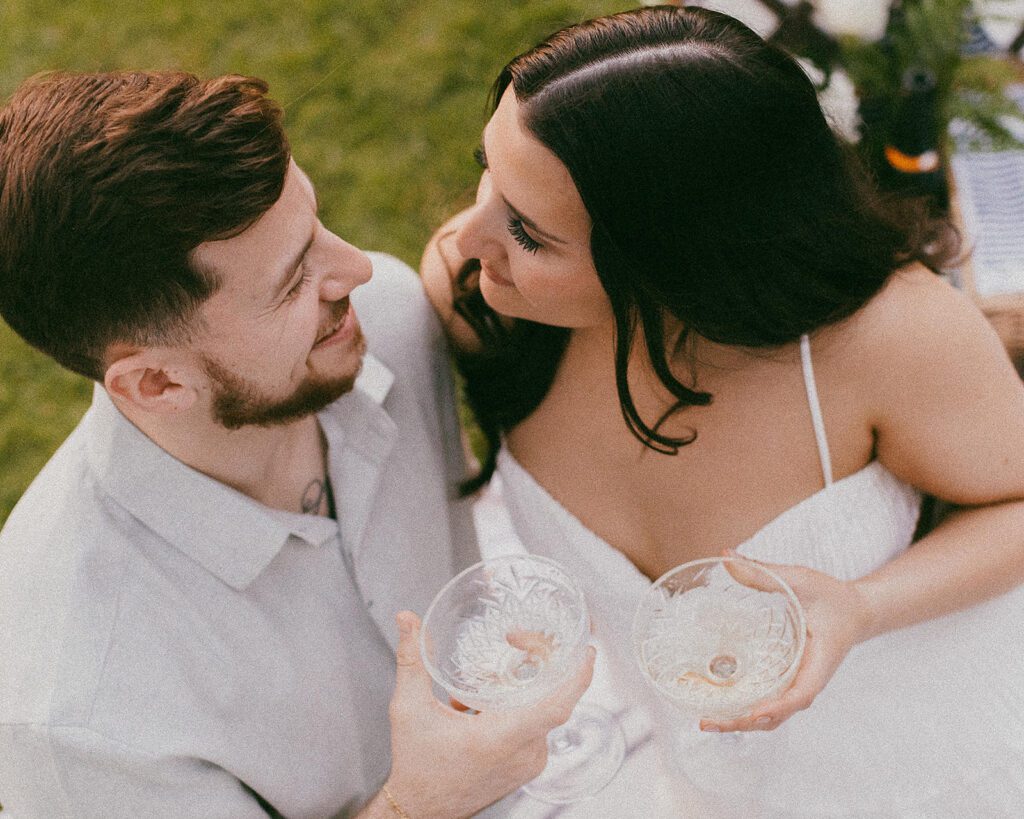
(451, 764)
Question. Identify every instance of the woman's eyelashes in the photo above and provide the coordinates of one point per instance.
(523, 239)
(515, 224)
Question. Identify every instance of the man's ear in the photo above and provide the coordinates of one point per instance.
(151, 382)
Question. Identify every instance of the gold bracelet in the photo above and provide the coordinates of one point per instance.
(393, 803)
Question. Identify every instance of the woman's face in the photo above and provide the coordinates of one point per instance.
(530, 231)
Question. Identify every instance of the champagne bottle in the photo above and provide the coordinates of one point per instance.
(912, 159)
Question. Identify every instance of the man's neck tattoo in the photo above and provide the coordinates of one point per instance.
(316, 493)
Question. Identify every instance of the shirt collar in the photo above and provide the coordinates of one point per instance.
(360, 436)
(231, 535)
(375, 379)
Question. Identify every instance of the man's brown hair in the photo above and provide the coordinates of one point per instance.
(107, 183)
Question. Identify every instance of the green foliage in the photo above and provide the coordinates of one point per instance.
(930, 34)
(39, 404)
(926, 34)
(978, 99)
(384, 104)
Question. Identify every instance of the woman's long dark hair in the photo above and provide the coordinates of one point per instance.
(719, 196)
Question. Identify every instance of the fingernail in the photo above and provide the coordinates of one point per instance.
(711, 729)
(762, 720)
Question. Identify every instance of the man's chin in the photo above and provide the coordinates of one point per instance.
(237, 404)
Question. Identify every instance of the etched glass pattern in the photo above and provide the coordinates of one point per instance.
(714, 641)
(505, 633)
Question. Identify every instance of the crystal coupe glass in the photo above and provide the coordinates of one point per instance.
(715, 637)
(505, 634)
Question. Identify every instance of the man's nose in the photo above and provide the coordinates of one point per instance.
(351, 268)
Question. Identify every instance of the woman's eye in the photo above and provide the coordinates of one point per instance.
(480, 156)
(523, 239)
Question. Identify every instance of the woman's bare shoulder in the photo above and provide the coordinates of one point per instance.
(916, 318)
(946, 403)
(919, 345)
(439, 266)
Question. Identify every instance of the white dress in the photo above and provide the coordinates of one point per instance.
(927, 721)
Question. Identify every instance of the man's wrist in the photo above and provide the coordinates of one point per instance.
(381, 807)
(393, 803)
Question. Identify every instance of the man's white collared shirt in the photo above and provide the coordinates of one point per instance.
(170, 647)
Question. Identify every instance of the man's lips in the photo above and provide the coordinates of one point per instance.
(343, 311)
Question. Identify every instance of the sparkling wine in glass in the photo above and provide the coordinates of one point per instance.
(505, 634)
(715, 637)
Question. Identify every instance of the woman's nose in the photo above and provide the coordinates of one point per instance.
(476, 238)
(469, 238)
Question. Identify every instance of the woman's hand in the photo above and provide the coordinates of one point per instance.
(837, 619)
(439, 268)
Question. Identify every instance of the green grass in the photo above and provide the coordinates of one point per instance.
(384, 102)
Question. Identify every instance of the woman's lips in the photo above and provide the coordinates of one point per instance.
(494, 277)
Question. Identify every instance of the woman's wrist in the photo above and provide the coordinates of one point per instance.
(870, 620)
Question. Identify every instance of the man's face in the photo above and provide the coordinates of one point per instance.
(281, 340)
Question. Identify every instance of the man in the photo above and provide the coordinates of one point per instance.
(198, 593)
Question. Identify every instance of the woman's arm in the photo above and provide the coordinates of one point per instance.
(949, 419)
(950, 422)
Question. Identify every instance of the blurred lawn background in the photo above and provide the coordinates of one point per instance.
(384, 103)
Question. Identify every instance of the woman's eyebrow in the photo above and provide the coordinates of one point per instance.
(481, 154)
(526, 220)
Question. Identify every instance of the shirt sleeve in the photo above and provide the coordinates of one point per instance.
(55, 772)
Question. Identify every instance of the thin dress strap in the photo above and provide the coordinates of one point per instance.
(815, 405)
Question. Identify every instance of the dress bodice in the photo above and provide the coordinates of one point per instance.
(846, 529)
(926, 721)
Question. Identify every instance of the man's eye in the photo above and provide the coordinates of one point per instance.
(480, 156)
(523, 239)
(298, 286)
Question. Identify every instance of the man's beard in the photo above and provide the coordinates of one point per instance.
(237, 403)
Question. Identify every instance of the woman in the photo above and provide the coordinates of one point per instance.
(693, 328)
